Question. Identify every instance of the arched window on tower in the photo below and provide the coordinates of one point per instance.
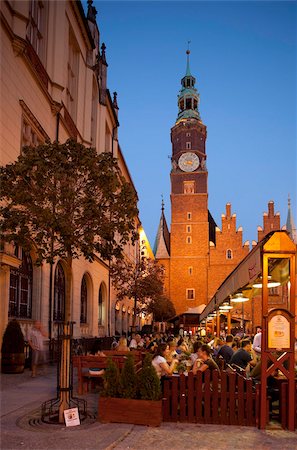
(229, 254)
(84, 300)
(59, 293)
(20, 288)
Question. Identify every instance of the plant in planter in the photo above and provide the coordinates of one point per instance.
(140, 402)
(13, 344)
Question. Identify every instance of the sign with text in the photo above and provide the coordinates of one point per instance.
(71, 417)
(279, 332)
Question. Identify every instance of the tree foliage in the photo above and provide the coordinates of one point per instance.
(68, 194)
(142, 281)
(162, 308)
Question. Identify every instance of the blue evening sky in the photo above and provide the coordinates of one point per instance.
(243, 55)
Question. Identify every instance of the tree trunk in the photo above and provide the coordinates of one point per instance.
(65, 353)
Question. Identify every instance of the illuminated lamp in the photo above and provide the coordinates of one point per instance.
(239, 298)
(271, 283)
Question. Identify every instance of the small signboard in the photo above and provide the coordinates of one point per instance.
(71, 417)
(279, 332)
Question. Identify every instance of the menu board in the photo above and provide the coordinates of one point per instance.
(278, 332)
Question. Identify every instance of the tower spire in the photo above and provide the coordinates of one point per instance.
(188, 71)
(290, 225)
(188, 98)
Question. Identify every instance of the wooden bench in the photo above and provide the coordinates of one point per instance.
(84, 363)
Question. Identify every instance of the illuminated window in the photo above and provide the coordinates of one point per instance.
(190, 294)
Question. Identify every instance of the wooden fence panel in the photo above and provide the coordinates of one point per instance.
(167, 400)
(199, 398)
(240, 401)
(191, 397)
(224, 397)
(182, 398)
(250, 403)
(174, 399)
(215, 393)
(206, 398)
(232, 402)
(207, 393)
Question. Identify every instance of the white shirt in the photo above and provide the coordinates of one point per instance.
(257, 342)
(156, 363)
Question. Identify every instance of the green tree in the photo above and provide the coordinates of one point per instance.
(128, 379)
(67, 201)
(141, 282)
(162, 308)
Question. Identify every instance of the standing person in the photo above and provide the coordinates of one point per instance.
(36, 342)
(257, 342)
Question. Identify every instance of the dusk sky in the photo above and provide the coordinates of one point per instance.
(243, 55)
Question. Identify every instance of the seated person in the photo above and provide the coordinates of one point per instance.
(159, 361)
(243, 356)
(96, 348)
(226, 351)
(194, 355)
(204, 361)
(122, 345)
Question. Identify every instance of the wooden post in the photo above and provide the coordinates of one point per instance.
(218, 324)
(278, 349)
(229, 322)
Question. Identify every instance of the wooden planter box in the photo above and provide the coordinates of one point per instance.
(124, 410)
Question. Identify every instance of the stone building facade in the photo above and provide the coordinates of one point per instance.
(54, 86)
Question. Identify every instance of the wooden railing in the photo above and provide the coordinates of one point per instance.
(228, 399)
(82, 364)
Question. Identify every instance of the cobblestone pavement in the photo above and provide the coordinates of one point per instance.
(21, 427)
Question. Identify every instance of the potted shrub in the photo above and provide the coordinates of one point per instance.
(13, 345)
(135, 399)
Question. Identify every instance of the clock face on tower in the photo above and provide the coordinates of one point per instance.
(188, 162)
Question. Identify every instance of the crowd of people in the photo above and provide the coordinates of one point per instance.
(182, 354)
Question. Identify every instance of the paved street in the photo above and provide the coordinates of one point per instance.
(21, 397)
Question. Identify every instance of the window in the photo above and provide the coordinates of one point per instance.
(95, 100)
(36, 27)
(188, 134)
(189, 228)
(30, 137)
(189, 215)
(59, 293)
(190, 294)
(83, 300)
(190, 270)
(188, 145)
(20, 288)
(189, 240)
(229, 254)
(72, 75)
(189, 187)
(100, 306)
